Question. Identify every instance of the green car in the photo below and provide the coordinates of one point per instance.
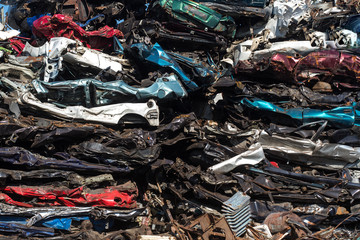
(199, 15)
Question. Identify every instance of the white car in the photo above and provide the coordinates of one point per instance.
(121, 113)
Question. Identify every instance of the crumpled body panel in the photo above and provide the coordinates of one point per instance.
(63, 26)
(166, 87)
(26, 231)
(253, 156)
(304, 150)
(94, 59)
(115, 196)
(158, 56)
(327, 65)
(195, 13)
(21, 157)
(110, 114)
(341, 117)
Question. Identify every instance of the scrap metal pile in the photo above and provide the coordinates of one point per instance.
(179, 119)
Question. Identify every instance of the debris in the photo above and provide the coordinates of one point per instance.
(237, 212)
(180, 119)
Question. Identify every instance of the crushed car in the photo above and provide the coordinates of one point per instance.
(179, 119)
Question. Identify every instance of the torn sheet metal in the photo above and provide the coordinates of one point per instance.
(26, 61)
(286, 13)
(309, 152)
(253, 156)
(245, 51)
(12, 71)
(158, 56)
(51, 49)
(86, 57)
(208, 226)
(260, 230)
(316, 38)
(208, 73)
(344, 38)
(281, 222)
(61, 48)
